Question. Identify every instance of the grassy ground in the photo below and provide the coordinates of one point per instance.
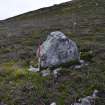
(18, 86)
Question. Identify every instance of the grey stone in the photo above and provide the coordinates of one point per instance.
(56, 71)
(85, 101)
(53, 103)
(82, 61)
(82, 64)
(45, 73)
(88, 100)
(58, 49)
(78, 66)
(33, 69)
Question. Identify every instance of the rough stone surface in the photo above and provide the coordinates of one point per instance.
(33, 69)
(45, 73)
(88, 100)
(53, 103)
(57, 49)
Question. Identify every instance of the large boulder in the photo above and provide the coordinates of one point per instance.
(57, 49)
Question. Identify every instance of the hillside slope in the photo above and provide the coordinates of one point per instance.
(81, 20)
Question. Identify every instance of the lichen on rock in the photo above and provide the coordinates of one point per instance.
(58, 49)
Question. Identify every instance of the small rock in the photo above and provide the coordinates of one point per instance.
(56, 71)
(94, 95)
(78, 66)
(85, 102)
(33, 69)
(1, 103)
(53, 103)
(82, 61)
(100, 94)
(88, 100)
(86, 64)
(45, 73)
(76, 104)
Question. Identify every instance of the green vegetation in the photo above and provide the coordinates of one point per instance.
(87, 56)
(19, 86)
